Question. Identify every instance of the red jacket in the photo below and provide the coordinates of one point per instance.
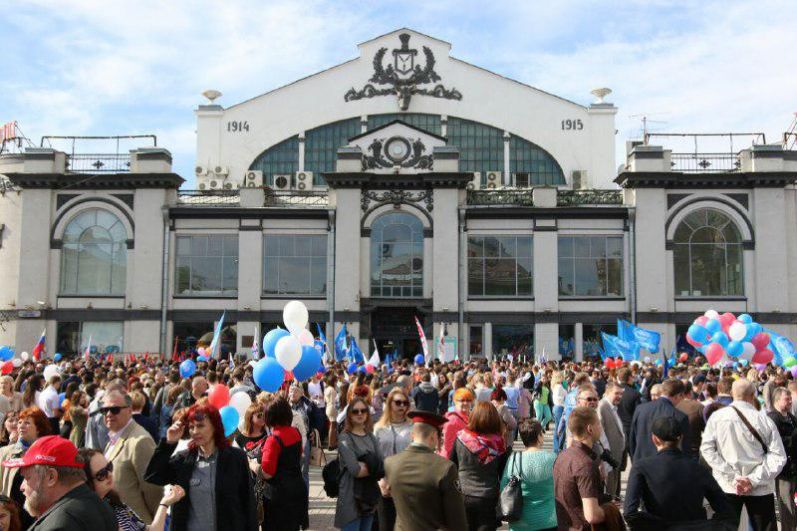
(456, 423)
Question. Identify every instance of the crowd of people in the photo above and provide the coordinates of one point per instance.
(132, 445)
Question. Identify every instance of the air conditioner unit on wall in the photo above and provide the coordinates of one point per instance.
(579, 179)
(282, 181)
(222, 171)
(476, 182)
(201, 171)
(304, 181)
(253, 179)
(493, 179)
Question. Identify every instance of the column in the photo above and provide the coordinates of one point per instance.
(507, 180)
(579, 342)
(487, 340)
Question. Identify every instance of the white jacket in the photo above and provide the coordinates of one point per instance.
(733, 452)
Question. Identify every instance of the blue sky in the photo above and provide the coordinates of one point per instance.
(88, 67)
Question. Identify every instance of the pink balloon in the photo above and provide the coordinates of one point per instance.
(201, 351)
(725, 320)
(763, 356)
(714, 353)
(794, 371)
(702, 320)
(370, 369)
(219, 396)
(760, 340)
(692, 342)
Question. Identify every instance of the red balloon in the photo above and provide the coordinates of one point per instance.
(288, 376)
(760, 340)
(763, 356)
(702, 320)
(7, 368)
(219, 396)
(714, 353)
(726, 319)
(683, 357)
(609, 362)
(369, 369)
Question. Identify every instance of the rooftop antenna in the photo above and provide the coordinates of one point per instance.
(212, 95)
(645, 122)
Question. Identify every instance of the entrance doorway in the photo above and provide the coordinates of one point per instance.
(394, 331)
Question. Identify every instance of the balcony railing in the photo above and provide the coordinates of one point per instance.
(589, 197)
(296, 199)
(98, 163)
(501, 197)
(705, 162)
(208, 198)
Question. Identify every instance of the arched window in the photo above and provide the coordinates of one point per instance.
(94, 255)
(707, 251)
(397, 256)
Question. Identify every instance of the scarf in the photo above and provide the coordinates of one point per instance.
(486, 447)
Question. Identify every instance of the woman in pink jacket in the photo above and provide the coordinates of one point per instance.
(457, 420)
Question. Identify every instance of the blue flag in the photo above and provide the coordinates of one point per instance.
(341, 349)
(625, 330)
(614, 346)
(780, 346)
(647, 339)
(356, 353)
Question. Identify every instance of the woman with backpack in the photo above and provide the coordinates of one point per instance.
(361, 468)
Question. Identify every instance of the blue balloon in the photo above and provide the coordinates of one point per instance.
(202, 358)
(698, 333)
(61, 398)
(270, 341)
(721, 338)
(713, 326)
(308, 364)
(57, 356)
(752, 330)
(268, 375)
(352, 368)
(734, 349)
(229, 418)
(6, 353)
(745, 318)
(187, 368)
(744, 362)
(419, 359)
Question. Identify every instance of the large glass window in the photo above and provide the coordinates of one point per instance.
(207, 265)
(397, 256)
(591, 338)
(321, 146)
(517, 340)
(295, 265)
(94, 255)
(707, 255)
(103, 337)
(282, 158)
(188, 336)
(427, 122)
(476, 340)
(567, 341)
(500, 266)
(481, 147)
(538, 164)
(590, 266)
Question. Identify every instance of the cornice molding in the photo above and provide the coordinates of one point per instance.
(84, 181)
(666, 179)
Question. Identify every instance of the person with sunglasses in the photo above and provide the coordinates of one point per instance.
(219, 493)
(456, 420)
(130, 447)
(393, 431)
(31, 425)
(361, 468)
(9, 515)
(99, 478)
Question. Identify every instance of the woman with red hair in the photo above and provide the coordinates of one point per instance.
(219, 494)
(31, 425)
(456, 420)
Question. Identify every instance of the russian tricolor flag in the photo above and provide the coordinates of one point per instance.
(40, 347)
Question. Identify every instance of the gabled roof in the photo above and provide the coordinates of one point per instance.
(404, 29)
(398, 121)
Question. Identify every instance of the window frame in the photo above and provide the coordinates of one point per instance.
(484, 258)
(415, 243)
(309, 257)
(606, 258)
(206, 294)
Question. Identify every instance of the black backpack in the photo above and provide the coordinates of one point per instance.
(331, 476)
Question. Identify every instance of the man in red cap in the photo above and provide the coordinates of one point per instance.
(424, 485)
(55, 489)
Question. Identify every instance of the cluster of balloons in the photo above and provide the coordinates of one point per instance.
(6, 353)
(612, 363)
(288, 351)
(727, 337)
(231, 407)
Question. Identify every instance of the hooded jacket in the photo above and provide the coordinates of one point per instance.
(425, 397)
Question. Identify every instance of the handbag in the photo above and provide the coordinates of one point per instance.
(317, 455)
(510, 500)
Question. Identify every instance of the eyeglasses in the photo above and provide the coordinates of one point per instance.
(359, 411)
(590, 399)
(401, 403)
(103, 473)
(113, 410)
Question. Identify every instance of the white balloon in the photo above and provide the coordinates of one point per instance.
(737, 330)
(647, 359)
(295, 317)
(712, 314)
(240, 401)
(16, 362)
(305, 337)
(288, 352)
(24, 356)
(50, 371)
(749, 349)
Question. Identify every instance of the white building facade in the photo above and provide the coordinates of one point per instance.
(402, 184)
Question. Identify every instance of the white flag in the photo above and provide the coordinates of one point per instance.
(374, 360)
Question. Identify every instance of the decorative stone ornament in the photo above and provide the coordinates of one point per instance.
(397, 151)
(403, 77)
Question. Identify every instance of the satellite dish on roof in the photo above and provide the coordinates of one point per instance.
(600, 93)
(211, 95)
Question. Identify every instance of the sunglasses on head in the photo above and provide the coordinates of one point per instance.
(103, 473)
(113, 410)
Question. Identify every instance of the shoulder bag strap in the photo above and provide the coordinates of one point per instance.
(752, 430)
